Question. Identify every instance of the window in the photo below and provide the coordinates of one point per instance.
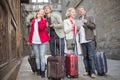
(40, 1)
(33, 0)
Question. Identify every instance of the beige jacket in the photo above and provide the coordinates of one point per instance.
(58, 24)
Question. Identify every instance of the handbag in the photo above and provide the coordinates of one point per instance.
(70, 43)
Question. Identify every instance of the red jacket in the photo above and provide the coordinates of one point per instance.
(44, 37)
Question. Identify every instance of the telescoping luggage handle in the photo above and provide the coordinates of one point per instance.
(59, 47)
(32, 54)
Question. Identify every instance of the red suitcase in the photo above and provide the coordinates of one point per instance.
(72, 65)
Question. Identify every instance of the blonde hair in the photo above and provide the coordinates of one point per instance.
(68, 12)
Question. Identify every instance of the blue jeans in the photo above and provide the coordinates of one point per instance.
(88, 54)
(40, 55)
(55, 45)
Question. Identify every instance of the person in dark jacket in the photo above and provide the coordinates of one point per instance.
(87, 40)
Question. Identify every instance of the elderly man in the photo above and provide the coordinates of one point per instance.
(87, 40)
(57, 35)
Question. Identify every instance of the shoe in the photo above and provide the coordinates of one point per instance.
(38, 72)
(93, 76)
(85, 74)
(42, 74)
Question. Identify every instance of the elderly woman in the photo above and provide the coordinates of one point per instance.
(71, 32)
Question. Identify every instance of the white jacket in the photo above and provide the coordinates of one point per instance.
(68, 26)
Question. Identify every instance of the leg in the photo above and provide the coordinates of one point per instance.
(42, 57)
(52, 46)
(37, 55)
(61, 45)
(91, 52)
(85, 56)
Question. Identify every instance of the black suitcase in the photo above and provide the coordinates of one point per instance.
(101, 63)
(32, 62)
(55, 66)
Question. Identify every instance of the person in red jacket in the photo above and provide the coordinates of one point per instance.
(38, 37)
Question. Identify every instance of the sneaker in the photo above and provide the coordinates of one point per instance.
(93, 76)
(85, 74)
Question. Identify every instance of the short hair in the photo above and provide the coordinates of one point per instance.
(68, 12)
(81, 7)
(46, 6)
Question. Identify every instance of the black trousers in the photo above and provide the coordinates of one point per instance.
(55, 45)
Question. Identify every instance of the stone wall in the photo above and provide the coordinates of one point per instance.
(10, 39)
(107, 18)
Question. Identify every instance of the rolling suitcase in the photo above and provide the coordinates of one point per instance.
(32, 62)
(72, 65)
(101, 63)
(55, 66)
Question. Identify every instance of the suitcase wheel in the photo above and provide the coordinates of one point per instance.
(68, 76)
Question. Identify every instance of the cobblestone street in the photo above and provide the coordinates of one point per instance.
(25, 72)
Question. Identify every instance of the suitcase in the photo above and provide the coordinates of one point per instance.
(55, 66)
(72, 65)
(101, 63)
(32, 62)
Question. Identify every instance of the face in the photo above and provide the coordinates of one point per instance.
(72, 13)
(47, 10)
(81, 11)
(41, 13)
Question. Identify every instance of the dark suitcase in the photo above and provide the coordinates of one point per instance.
(72, 65)
(55, 67)
(101, 63)
(32, 62)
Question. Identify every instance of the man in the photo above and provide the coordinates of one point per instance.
(57, 35)
(87, 40)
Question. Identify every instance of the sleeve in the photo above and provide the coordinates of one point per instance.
(59, 23)
(91, 23)
(67, 27)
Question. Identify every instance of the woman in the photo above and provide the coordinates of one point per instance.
(38, 37)
(71, 31)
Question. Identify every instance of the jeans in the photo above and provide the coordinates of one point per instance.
(88, 56)
(55, 45)
(40, 55)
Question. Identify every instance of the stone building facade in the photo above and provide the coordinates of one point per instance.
(10, 39)
(107, 18)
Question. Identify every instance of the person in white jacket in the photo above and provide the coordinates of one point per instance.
(71, 31)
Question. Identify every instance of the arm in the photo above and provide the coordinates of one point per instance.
(31, 32)
(59, 23)
(90, 23)
(67, 27)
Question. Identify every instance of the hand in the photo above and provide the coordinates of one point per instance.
(85, 21)
(47, 24)
(78, 28)
(52, 25)
(28, 43)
